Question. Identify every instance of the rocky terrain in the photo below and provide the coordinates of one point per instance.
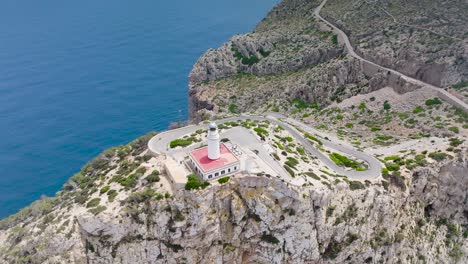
(425, 39)
(114, 211)
(291, 55)
(122, 208)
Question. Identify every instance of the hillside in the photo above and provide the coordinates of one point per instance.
(122, 207)
(291, 55)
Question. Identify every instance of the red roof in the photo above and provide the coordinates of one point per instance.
(201, 157)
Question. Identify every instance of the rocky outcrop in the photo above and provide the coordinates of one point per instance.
(261, 220)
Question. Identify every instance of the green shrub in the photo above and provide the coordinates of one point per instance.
(130, 181)
(93, 202)
(300, 150)
(223, 180)
(460, 85)
(153, 177)
(289, 170)
(418, 110)
(261, 131)
(434, 101)
(104, 189)
(180, 143)
(193, 183)
(334, 39)
(341, 160)
(392, 166)
(233, 108)
(438, 156)
(386, 106)
(454, 129)
(97, 210)
(111, 195)
(142, 196)
(356, 185)
(455, 142)
(269, 238)
(349, 125)
(292, 162)
(309, 136)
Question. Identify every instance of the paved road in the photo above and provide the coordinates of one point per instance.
(159, 144)
(453, 100)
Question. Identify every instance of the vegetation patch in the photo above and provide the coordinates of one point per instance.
(194, 183)
(180, 142)
(309, 136)
(223, 180)
(344, 161)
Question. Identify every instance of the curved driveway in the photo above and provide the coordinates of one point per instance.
(444, 94)
(159, 144)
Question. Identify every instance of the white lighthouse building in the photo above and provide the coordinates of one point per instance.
(215, 160)
(213, 142)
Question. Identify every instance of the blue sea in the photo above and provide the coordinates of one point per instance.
(77, 77)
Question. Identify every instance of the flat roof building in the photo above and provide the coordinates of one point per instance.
(227, 163)
(216, 159)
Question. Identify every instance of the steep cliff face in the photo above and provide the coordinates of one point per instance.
(261, 220)
(425, 39)
(288, 40)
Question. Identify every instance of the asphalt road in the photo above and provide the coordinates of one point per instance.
(159, 144)
(454, 100)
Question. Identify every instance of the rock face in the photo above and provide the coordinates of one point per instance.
(291, 42)
(262, 220)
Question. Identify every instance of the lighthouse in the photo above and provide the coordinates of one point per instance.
(213, 142)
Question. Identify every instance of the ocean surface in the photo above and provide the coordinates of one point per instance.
(77, 77)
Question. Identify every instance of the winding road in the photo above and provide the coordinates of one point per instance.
(451, 99)
(159, 144)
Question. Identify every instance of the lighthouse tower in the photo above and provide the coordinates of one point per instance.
(213, 142)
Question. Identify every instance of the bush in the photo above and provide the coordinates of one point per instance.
(139, 197)
(392, 166)
(223, 180)
(269, 238)
(180, 143)
(261, 131)
(129, 182)
(339, 117)
(355, 185)
(97, 210)
(289, 170)
(454, 129)
(349, 125)
(104, 189)
(153, 177)
(438, 156)
(341, 160)
(386, 106)
(111, 195)
(434, 101)
(334, 39)
(292, 162)
(233, 108)
(418, 110)
(194, 183)
(309, 136)
(93, 203)
(455, 142)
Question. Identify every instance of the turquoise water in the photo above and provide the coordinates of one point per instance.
(77, 77)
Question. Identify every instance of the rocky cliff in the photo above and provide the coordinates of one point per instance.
(408, 37)
(247, 220)
(121, 207)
